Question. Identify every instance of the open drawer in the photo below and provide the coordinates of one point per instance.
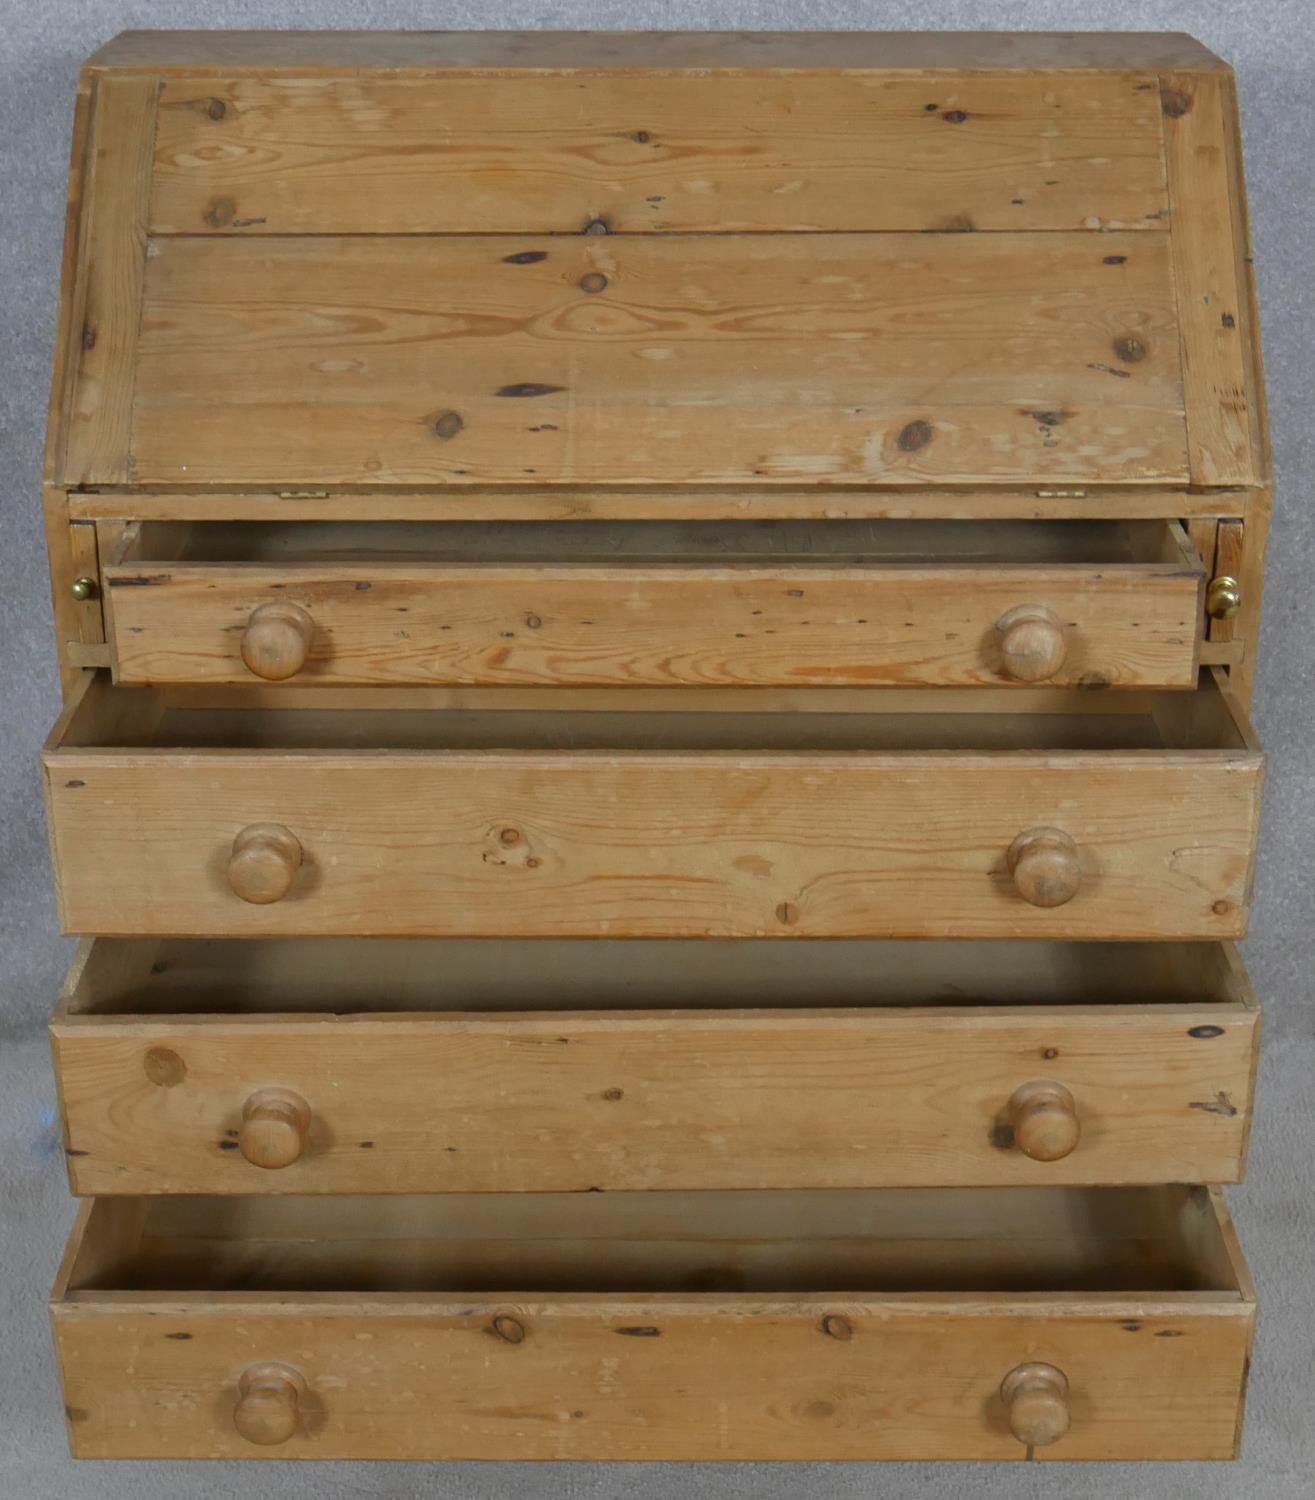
(401, 1066)
(975, 813)
(1090, 603)
(904, 1324)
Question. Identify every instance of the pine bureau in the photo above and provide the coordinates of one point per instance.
(655, 773)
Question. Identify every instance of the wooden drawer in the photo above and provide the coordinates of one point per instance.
(904, 1324)
(1099, 603)
(1041, 814)
(404, 1066)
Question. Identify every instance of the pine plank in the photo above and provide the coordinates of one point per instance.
(539, 152)
(901, 360)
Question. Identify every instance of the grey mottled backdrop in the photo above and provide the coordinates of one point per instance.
(1270, 44)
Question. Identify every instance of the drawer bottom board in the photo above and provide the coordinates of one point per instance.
(823, 1325)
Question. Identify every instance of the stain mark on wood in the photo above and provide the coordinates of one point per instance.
(216, 109)
(227, 1145)
(613, 1094)
(528, 388)
(640, 1331)
(787, 914)
(1221, 1104)
(954, 116)
(1169, 1333)
(220, 213)
(593, 281)
(1175, 102)
(447, 424)
(180, 1338)
(75, 783)
(1110, 370)
(642, 137)
(365, 1145)
(164, 1068)
(1115, 260)
(914, 436)
(1227, 320)
(89, 336)
(525, 257)
(70, 1151)
(1205, 1033)
(1130, 348)
(1130, 1325)
(1001, 1136)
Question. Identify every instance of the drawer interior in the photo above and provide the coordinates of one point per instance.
(917, 719)
(344, 976)
(915, 1240)
(897, 543)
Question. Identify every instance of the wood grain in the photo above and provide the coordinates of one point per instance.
(699, 835)
(1216, 313)
(541, 152)
(822, 358)
(785, 1370)
(108, 293)
(875, 618)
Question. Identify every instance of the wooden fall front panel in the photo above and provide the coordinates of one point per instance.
(602, 276)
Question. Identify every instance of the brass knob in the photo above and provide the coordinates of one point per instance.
(1045, 1120)
(1045, 866)
(277, 640)
(275, 1127)
(1223, 597)
(1036, 1398)
(264, 862)
(268, 1410)
(83, 589)
(1032, 645)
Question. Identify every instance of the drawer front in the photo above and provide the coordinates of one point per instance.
(253, 1095)
(635, 1378)
(1139, 1371)
(742, 624)
(653, 844)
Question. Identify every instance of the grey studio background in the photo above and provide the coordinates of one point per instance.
(1271, 47)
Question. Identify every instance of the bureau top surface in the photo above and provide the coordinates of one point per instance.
(351, 260)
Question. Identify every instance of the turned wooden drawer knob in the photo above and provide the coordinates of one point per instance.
(1032, 645)
(1045, 1120)
(277, 641)
(264, 861)
(275, 1127)
(1036, 1398)
(268, 1410)
(1045, 865)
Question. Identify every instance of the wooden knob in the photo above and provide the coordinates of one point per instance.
(277, 640)
(1032, 645)
(1045, 1120)
(268, 1410)
(275, 1125)
(264, 861)
(1045, 865)
(1036, 1398)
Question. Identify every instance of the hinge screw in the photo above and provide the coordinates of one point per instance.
(83, 589)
